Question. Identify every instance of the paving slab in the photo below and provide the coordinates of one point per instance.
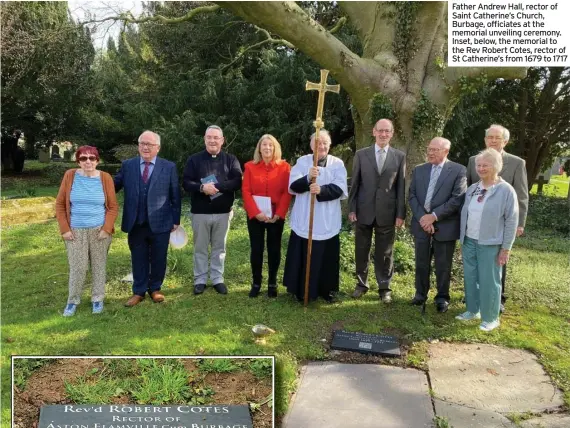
(493, 378)
(547, 421)
(466, 417)
(336, 395)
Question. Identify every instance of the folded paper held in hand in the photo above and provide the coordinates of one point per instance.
(264, 205)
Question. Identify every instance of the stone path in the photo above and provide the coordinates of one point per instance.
(335, 395)
(473, 386)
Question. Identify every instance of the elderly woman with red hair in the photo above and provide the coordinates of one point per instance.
(86, 209)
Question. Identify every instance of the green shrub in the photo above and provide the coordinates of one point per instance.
(111, 168)
(404, 257)
(550, 213)
(125, 151)
(54, 173)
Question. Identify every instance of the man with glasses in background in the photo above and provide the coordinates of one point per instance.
(211, 177)
(437, 192)
(151, 210)
(514, 173)
(377, 204)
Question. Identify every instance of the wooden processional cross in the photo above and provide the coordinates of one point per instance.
(322, 87)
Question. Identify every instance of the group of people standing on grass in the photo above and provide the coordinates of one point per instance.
(484, 206)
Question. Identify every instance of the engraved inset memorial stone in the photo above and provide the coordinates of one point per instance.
(366, 343)
(144, 416)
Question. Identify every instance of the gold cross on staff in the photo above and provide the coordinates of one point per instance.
(322, 87)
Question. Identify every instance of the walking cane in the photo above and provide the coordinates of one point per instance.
(322, 87)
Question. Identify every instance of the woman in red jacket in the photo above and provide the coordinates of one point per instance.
(266, 200)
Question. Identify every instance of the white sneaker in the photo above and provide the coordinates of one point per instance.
(468, 316)
(488, 326)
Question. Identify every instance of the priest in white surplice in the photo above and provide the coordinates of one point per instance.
(330, 188)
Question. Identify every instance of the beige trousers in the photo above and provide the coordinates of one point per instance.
(84, 249)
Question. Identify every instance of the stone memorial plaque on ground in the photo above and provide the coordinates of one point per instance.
(144, 416)
(366, 343)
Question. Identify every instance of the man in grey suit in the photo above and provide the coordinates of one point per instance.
(513, 172)
(437, 192)
(377, 203)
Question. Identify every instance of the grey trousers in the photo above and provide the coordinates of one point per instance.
(210, 230)
(87, 249)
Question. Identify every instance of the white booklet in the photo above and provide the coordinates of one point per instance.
(264, 205)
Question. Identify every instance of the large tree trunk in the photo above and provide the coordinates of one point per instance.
(404, 55)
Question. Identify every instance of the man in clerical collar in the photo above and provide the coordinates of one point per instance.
(211, 177)
(377, 204)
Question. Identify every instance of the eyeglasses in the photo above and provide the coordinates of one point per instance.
(481, 193)
(492, 138)
(433, 150)
(384, 131)
(149, 145)
(214, 138)
(86, 158)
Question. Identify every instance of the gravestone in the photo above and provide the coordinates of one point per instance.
(144, 416)
(67, 155)
(541, 182)
(366, 343)
(43, 155)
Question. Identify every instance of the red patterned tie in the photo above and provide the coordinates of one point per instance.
(145, 172)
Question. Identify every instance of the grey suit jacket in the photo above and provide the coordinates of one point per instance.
(375, 196)
(446, 201)
(514, 173)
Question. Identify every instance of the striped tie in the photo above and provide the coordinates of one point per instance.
(432, 182)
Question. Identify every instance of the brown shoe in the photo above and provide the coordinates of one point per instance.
(157, 297)
(134, 300)
(359, 292)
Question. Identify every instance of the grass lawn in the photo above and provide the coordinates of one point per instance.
(34, 292)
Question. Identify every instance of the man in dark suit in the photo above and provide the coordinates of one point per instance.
(151, 210)
(437, 192)
(513, 172)
(377, 203)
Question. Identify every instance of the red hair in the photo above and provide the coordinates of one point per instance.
(86, 150)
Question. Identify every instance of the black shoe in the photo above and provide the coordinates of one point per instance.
(221, 288)
(417, 301)
(332, 299)
(199, 288)
(359, 291)
(272, 291)
(385, 296)
(442, 307)
(255, 289)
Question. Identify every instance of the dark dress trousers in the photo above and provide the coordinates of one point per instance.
(514, 173)
(377, 198)
(150, 210)
(446, 202)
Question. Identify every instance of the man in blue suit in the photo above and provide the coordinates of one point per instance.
(151, 210)
(437, 192)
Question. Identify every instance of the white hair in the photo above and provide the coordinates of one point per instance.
(156, 136)
(214, 127)
(506, 134)
(323, 134)
(494, 156)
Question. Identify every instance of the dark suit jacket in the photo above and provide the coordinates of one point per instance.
(163, 201)
(446, 201)
(514, 173)
(374, 196)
